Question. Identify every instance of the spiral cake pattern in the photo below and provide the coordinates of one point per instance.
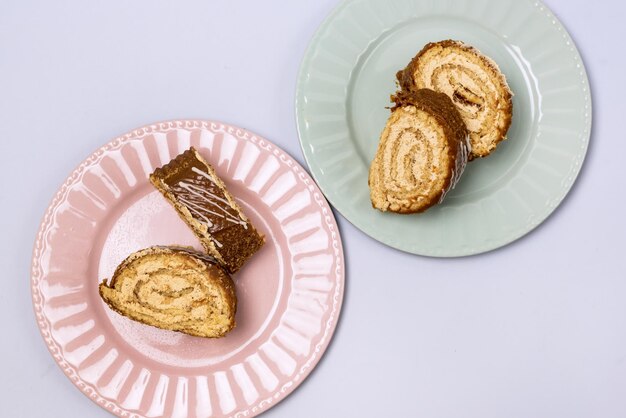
(422, 152)
(472, 81)
(175, 289)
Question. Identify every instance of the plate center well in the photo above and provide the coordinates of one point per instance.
(150, 220)
(373, 80)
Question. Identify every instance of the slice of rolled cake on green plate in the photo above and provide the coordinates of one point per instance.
(472, 81)
(421, 154)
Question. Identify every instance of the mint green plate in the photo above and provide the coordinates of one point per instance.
(344, 84)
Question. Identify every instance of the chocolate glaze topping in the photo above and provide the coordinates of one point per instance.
(196, 189)
(202, 200)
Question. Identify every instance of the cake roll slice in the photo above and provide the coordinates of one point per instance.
(474, 83)
(173, 288)
(421, 154)
(200, 197)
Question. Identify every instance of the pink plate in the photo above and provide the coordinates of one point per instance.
(289, 293)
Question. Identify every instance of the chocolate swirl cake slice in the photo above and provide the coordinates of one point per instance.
(173, 288)
(202, 201)
(473, 82)
(422, 152)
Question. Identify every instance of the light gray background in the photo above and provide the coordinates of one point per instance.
(535, 329)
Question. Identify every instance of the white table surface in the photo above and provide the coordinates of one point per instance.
(535, 329)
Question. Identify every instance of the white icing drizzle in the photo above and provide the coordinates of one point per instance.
(195, 209)
(206, 175)
(200, 193)
(202, 173)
